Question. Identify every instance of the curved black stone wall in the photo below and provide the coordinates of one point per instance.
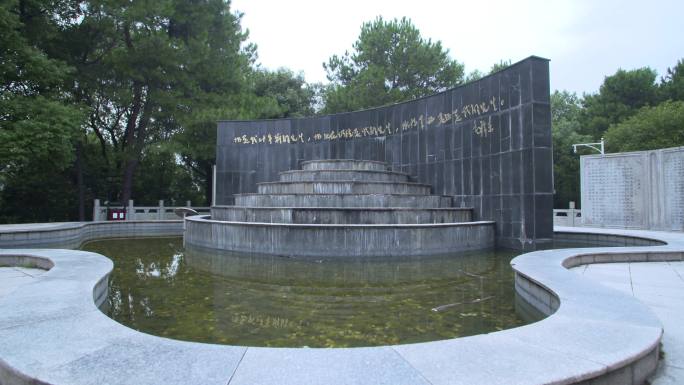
(487, 144)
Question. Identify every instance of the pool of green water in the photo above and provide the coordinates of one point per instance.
(159, 288)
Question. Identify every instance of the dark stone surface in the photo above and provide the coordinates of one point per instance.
(505, 172)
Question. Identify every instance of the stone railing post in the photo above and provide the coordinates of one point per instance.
(160, 211)
(571, 213)
(96, 210)
(130, 211)
(213, 185)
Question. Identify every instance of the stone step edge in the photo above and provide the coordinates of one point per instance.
(342, 160)
(345, 181)
(206, 218)
(340, 170)
(346, 194)
(328, 208)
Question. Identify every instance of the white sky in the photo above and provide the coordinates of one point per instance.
(585, 39)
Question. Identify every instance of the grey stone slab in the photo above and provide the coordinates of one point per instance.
(66, 299)
(38, 347)
(151, 360)
(490, 361)
(626, 288)
(659, 289)
(325, 366)
(678, 267)
(10, 272)
(658, 296)
(31, 272)
(614, 269)
(656, 274)
(673, 344)
(668, 376)
(618, 308)
(606, 277)
(612, 343)
(619, 276)
(657, 302)
(10, 284)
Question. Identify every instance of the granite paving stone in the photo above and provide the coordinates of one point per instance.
(482, 360)
(10, 272)
(10, 284)
(143, 359)
(657, 285)
(325, 366)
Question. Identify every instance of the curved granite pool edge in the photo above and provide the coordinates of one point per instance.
(338, 240)
(52, 332)
(74, 234)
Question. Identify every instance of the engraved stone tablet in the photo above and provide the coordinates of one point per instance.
(614, 191)
(642, 189)
(673, 181)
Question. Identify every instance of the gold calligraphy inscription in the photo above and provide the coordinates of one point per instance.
(469, 111)
(483, 128)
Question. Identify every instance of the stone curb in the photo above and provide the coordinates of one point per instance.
(73, 234)
(338, 240)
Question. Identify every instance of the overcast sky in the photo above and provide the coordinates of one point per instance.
(585, 39)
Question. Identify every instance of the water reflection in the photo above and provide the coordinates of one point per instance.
(159, 288)
(347, 271)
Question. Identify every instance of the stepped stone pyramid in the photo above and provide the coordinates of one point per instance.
(340, 208)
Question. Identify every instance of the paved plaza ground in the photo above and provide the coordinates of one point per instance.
(659, 285)
(11, 278)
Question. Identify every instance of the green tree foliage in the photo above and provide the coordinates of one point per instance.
(143, 66)
(473, 76)
(619, 97)
(266, 95)
(650, 128)
(195, 142)
(672, 84)
(565, 112)
(502, 64)
(38, 121)
(390, 62)
(160, 176)
(291, 95)
(628, 111)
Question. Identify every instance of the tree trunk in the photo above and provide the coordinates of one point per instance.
(79, 179)
(127, 182)
(134, 141)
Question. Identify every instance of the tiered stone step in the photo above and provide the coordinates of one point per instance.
(340, 215)
(340, 208)
(343, 187)
(343, 164)
(343, 174)
(343, 200)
